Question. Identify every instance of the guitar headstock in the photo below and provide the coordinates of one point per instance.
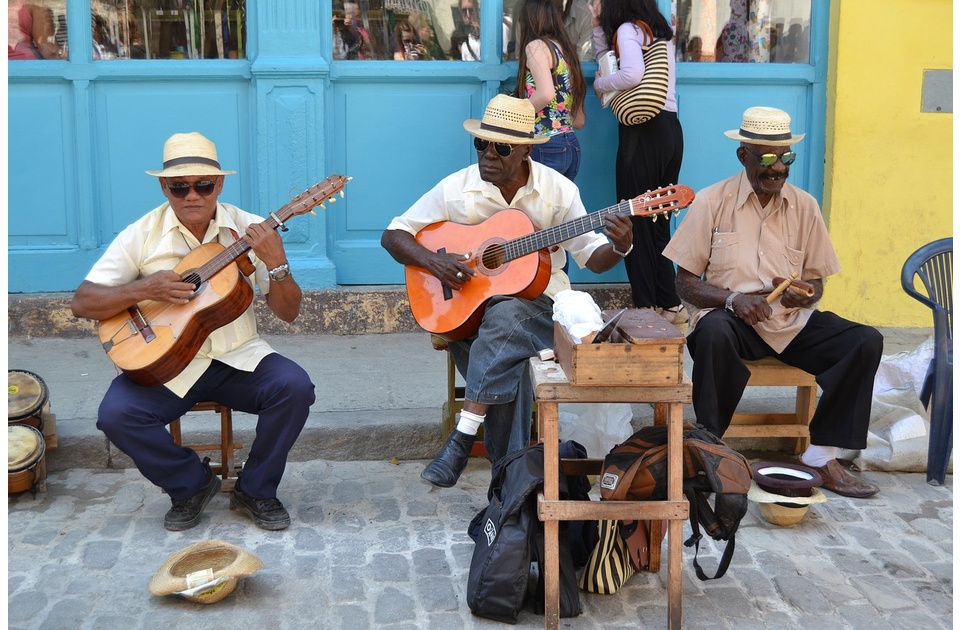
(661, 201)
(317, 194)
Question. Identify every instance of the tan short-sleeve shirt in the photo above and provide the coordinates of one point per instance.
(735, 244)
(157, 242)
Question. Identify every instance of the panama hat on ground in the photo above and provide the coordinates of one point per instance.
(204, 572)
(189, 154)
(765, 125)
(508, 120)
(784, 492)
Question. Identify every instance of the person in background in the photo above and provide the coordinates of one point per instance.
(424, 27)
(407, 45)
(649, 155)
(548, 73)
(741, 238)
(351, 39)
(30, 32)
(234, 366)
(579, 24)
(494, 361)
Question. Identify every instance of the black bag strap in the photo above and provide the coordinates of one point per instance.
(695, 498)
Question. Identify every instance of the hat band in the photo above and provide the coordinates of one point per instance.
(504, 130)
(762, 136)
(191, 159)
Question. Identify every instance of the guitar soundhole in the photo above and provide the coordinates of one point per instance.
(193, 278)
(493, 257)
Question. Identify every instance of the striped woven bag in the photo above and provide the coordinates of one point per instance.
(644, 101)
(609, 565)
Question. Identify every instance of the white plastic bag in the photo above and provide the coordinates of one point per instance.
(597, 426)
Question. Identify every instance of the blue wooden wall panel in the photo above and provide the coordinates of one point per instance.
(41, 159)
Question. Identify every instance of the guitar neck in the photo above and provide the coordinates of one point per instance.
(551, 236)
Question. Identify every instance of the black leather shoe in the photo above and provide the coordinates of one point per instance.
(266, 513)
(449, 463)
(185, 513)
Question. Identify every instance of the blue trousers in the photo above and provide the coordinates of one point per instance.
(843, 355)
(561, 153)
(495, 367)
(134, 419)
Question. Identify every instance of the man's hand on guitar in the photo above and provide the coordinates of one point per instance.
(451, 269)
(266, 244)
(166, 286)
(619, 229)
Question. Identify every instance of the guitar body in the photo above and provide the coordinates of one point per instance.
(456, 315)
(178, 330)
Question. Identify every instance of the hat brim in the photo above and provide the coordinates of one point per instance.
(189, 170)
(759, 495)
(473, 128)
(734, 134)
(227, 561)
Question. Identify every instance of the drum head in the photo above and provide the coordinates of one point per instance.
(25, 447)
(26, 394)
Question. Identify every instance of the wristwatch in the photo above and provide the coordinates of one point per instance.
(729, 303)
(280, 272)
(622, 254)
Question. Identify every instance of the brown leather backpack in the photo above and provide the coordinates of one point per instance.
(636, 470)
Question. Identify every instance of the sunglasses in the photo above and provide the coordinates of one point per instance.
(769, 159)
(180, 190)
(503, 149)
(467, 10)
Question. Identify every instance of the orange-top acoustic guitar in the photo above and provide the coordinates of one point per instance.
(153, 341)
(510, 258)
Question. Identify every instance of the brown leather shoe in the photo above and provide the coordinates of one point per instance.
(837, 479)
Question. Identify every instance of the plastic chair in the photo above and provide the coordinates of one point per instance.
(933, 264)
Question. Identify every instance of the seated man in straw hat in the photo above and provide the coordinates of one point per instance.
(741, 237)
(493, 361)
(234, 367)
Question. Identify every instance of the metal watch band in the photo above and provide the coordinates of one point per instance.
(729, 303)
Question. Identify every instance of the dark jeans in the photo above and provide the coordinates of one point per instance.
(843, 355)
(134, 419)
(561, 153)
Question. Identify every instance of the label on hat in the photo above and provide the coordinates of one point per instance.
(198, 578)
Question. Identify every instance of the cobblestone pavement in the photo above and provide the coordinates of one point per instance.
(372, 547)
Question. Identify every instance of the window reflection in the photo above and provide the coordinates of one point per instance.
(168, 29)
(743, 31)
(36, 29)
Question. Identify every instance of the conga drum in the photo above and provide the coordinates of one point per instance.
(25, 451)
(26, 397)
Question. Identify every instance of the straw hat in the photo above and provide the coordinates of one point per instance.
(784, 492)
(186, 154)
(765, 125)
(508, 120)
(204, 572)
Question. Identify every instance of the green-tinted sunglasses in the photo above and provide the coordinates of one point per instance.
(769, 159)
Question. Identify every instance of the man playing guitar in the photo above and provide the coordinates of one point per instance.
(234, 366)
(511, 329)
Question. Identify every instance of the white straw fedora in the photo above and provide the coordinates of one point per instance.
(508, 120)
(189, 154)
(204, 572)
(765, 125)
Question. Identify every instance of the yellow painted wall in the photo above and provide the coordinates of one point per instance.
(888, 184)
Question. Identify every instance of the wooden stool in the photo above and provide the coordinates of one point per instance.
(454, 404)
(225, 467)
(770, 372)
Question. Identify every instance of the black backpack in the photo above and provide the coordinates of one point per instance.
(507, 566)
(636, 470)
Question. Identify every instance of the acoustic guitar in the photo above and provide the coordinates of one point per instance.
(510, 258)
(152, 342)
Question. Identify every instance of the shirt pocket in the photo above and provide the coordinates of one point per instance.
(793, 259)
(724, 249)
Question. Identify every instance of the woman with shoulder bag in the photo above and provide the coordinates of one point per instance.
(549, 75)
(650, 153)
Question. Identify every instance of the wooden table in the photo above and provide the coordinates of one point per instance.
(551, 387)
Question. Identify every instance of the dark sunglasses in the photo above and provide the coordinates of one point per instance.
(769, 159)
(467, 10)
(503, 149)
(180, 190)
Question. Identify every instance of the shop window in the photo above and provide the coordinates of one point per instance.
(743, 31)
(37, 29)
(169, 29)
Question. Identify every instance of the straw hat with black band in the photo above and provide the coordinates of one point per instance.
(189, 155)
(767, 126)
(507, 120)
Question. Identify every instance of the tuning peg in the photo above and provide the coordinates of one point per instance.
(655, 217)
(323, 206)
(332, 199)
(342, 195)
(312, 212)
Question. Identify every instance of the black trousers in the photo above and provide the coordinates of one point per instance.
(843, 355)
(649, 157)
